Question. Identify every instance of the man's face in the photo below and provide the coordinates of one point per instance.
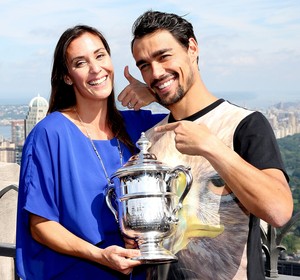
(166, 66)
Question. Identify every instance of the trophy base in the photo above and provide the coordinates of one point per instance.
(158, 255)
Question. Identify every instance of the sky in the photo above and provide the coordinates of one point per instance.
(249, 49)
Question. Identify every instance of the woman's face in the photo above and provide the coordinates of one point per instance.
(90, 68)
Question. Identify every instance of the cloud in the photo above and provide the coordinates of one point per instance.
(244, 45)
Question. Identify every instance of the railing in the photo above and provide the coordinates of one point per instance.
(271, 245)
(271, 242)
(7, 189)
(289, 268)
(7, 249)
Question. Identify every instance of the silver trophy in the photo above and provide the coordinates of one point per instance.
(144, 194)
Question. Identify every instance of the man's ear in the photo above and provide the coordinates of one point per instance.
(68, 80)
(193, 49)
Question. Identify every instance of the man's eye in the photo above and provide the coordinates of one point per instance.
(143, 66)
(165, 56)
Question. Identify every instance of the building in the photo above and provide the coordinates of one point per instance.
(38, 108)
(17, 132)
(11, 149)
(7, 151)
(285, 120)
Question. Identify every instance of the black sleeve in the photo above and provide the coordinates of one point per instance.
(255, 142)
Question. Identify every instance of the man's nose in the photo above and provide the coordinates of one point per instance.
(157, 70)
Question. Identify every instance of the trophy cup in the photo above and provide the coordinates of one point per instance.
(144, 202)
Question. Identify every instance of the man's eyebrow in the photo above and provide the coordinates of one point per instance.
(154, 55)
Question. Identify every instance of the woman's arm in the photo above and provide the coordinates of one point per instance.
(59, 239)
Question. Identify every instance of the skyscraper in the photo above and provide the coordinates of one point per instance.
(38, 108)
(17, 132)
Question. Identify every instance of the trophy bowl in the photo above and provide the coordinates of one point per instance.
(143, 198)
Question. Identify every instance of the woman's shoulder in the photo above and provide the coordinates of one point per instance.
(50, 126)
(52, 121)
(53, 129)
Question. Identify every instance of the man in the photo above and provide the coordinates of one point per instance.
(238, 173)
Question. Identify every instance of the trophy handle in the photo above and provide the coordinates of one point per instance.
(189, 180)
(108, 197)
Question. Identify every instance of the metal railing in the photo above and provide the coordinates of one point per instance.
(7, 249)
(271, 245)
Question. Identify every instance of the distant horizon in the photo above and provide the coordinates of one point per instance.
(246, 99)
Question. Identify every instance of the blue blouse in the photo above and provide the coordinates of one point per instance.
(63, 180)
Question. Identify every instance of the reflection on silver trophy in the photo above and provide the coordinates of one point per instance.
(146, 201)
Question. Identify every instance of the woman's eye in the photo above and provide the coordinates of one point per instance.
(80, 63)
(100, 56)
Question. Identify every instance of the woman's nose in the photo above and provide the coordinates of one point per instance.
(95, 67)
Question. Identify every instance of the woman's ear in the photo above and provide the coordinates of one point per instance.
(67, 80)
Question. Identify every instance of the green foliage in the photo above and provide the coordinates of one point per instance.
(290, 242)
(290, 150)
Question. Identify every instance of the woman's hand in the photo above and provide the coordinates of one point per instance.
(130, 243)
(119, 259)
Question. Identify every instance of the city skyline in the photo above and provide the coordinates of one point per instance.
(249, 50)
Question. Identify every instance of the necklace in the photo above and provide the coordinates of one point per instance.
(96, 151)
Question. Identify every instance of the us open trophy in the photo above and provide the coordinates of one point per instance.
(144, 202)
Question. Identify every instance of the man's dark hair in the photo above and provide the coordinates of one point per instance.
(152, 21)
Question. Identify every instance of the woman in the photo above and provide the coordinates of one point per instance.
(64, 228)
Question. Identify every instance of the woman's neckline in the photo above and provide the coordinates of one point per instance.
(82, 132)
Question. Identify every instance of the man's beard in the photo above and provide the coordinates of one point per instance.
(177, 97)
(179, 94)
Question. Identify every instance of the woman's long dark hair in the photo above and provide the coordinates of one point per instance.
(63, 96)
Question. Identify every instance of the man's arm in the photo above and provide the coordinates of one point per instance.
(264, 193)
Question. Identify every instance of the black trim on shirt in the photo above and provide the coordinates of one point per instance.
(199, 113)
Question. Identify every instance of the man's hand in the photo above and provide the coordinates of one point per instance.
(137, 94)
(191, 138)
